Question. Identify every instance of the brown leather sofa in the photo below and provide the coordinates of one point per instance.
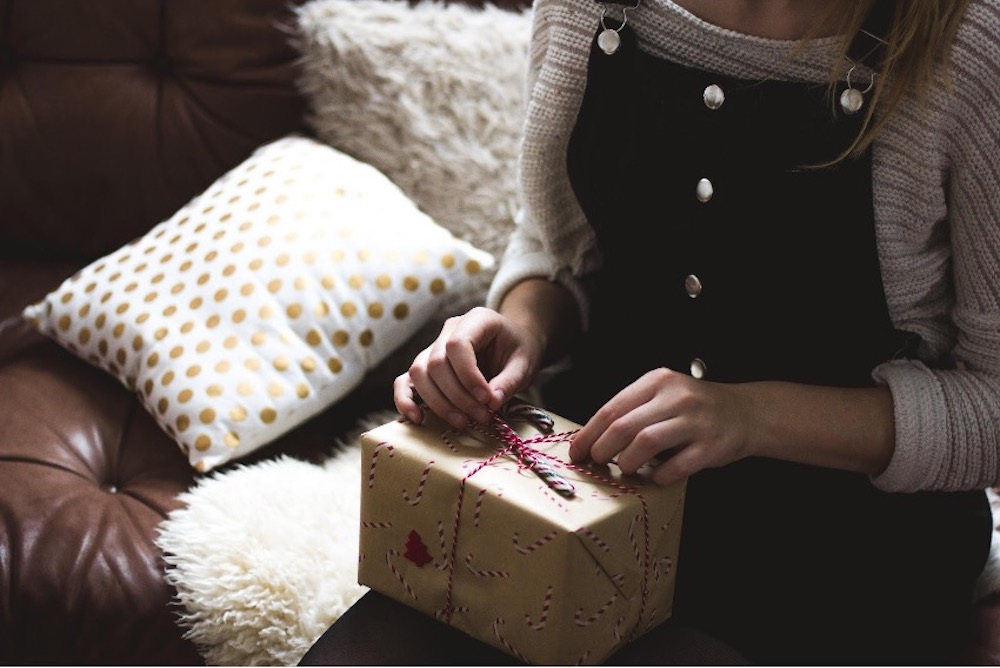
(113, 114)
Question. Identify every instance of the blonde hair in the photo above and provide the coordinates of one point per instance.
(917, 49)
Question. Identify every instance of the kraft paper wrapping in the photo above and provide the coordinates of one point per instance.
(495, 552)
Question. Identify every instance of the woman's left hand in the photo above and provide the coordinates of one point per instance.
(698, 423)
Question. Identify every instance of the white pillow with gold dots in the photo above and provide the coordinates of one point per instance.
(264, 300)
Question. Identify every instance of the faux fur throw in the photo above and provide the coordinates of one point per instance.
(430, 94)
(264, 557)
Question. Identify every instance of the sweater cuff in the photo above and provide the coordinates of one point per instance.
(536, 265)
(921, 427)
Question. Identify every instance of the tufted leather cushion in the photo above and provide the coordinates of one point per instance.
(86, 478)
(113, 113)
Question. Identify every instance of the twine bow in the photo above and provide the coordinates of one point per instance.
(528, 457)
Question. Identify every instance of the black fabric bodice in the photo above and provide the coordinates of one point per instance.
(733, 251)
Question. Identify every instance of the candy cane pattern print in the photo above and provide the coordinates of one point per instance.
(446, 438)
(376, 525)
(374, 461)
(579, 620)
(544, 617)
(389, 555)
(444, 615)
(443, 564)
(596, 539)
(662, 567)
(527, 549)
(633, 540)
(617, 630)
(479, 507)
(481, 573)
(420, 486)
(553, 498)
(497, 623)
(497, 464)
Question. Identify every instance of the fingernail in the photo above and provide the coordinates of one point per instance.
(483, 416)
(482, 396)
(574, 452)
(457, 419)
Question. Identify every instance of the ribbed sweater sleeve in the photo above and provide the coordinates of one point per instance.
(938, 200)
(936, 181)
(552, 237)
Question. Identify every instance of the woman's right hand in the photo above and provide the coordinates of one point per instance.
(478, 361)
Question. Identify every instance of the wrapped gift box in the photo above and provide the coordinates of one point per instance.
(456, 525)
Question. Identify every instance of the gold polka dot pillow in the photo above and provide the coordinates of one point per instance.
(264, 300)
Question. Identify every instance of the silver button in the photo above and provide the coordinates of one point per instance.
(851, 101)
(704, 191)
(692, 285)
(698, 368)
(714, 97)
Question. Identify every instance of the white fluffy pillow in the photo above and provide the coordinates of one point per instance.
(265, 299)
(430, 94)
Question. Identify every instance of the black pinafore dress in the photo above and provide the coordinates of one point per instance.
(726, 257)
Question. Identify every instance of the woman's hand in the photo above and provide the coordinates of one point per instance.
(700, 424)
(478, 361)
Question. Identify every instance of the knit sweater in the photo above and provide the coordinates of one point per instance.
(936, 181)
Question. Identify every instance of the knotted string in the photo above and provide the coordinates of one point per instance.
(528, 457)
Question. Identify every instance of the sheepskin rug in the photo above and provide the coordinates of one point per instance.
(264, 557)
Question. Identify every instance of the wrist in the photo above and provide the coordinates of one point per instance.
(843, 428)
(547, 311)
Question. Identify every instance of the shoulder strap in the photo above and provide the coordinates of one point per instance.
(869, 44)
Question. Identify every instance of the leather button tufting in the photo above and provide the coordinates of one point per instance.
(110, 488)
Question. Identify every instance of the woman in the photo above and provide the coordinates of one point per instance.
(763, 237)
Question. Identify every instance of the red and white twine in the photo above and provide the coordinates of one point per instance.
(544, 465)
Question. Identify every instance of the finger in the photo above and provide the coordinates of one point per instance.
(658, 438)
(436, 400)
(405, 399)
(685, 463)
(509, 381)
(637, 436)
(444, 375)
(630, 398)
(581, 446)
(468, 337)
